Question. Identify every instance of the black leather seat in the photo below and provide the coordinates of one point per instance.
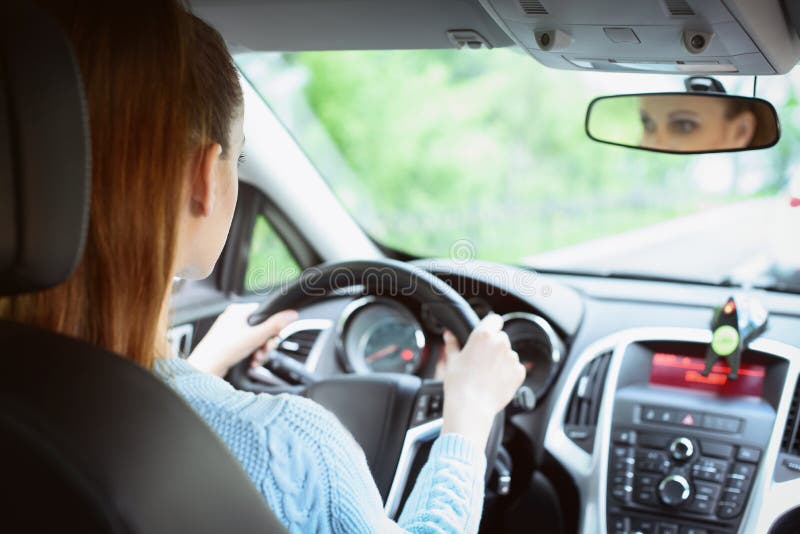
(89, 442)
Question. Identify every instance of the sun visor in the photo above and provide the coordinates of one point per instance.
(664, 36)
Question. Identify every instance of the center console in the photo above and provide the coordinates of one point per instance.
(673, 451)
(677, 480)
(685, 448)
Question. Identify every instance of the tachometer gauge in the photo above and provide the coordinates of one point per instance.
(539, 348)
(380, 335)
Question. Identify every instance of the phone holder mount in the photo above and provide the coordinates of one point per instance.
(735, 324)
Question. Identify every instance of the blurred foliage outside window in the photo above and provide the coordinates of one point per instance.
(269, 261)
(426, 148)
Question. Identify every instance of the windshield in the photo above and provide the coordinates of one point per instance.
(483, 154)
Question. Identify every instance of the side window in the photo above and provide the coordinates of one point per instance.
(269, 261)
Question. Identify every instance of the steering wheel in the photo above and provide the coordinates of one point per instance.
(397, 418)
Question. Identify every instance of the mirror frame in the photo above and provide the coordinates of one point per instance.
(673, 93)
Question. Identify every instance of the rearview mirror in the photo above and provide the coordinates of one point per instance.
(683, 123)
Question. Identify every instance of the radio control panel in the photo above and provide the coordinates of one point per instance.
(675, 480)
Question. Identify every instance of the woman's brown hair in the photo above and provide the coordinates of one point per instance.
(159, 84)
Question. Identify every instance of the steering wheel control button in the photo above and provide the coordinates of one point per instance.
(681, 449)
(747, 454)
(674, 490)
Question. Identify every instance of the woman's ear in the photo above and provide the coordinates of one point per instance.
(202, 179)
(744, 128)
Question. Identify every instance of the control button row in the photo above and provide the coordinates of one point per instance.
(725, 451)
(621, 473)
(652, 462)
(710, 469)
(671, 416)
(734, 495)
(628, 525)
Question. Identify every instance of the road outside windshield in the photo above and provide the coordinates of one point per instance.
(483, 154)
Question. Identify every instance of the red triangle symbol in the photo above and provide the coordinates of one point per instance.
(688, 420)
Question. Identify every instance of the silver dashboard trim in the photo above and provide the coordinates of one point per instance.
(555, 341)
(589, 471)
(324, 326)
(411, 444)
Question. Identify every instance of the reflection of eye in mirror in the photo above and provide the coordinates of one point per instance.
(683, 123)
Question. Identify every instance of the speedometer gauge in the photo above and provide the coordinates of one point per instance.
(380, 335)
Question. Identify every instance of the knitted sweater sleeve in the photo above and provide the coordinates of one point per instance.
(314, 475)
(447, 496)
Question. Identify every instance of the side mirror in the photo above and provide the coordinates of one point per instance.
(683, 123)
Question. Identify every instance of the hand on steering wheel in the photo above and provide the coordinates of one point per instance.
(479, 380)
(232, 339)
(484, 376)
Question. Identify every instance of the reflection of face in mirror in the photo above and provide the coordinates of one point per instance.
(685, 123)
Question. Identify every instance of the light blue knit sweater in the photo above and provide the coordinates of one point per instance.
(313, 474)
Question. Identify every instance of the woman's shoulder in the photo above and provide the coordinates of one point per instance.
(214, 398)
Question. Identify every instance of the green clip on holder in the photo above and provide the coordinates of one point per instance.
(735, 324)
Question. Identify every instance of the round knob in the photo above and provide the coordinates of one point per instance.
(674, 490)
(681, 449)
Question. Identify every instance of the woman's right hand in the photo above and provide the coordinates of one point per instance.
(479, 380)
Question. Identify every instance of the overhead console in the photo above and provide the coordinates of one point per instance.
(656, 446)
(668, 36)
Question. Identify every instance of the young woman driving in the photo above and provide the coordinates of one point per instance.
(166, 114)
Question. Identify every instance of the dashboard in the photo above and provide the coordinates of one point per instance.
(627, 431)
(376, 334)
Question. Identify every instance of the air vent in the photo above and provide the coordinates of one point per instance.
(791, 437)
(532, 7)
(298, 344)
(580, 422)
(678, 8)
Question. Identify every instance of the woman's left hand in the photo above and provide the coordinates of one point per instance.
(232, 339)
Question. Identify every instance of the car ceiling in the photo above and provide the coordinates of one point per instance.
(294, 25)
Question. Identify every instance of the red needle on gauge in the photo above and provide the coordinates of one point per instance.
(378, 354)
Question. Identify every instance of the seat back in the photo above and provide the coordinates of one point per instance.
(89, 442)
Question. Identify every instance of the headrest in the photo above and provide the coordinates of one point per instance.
(44, 152)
